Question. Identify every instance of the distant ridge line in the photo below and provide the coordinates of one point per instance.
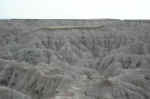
(71, 27)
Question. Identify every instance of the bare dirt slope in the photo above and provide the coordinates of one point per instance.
(75, 59)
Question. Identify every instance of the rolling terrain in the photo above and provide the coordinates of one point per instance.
(74, 59)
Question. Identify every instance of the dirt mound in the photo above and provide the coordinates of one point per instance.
(37, 82)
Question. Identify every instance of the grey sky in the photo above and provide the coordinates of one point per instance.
(79, 9)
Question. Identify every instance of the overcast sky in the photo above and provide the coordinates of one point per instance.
(78, 9)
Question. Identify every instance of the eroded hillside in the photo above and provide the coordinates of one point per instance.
(75, 59)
